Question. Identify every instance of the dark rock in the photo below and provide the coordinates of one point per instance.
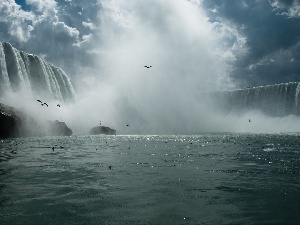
(102, 130)
(11, 124)
(56, 128)
(14, 123)
(8, 126)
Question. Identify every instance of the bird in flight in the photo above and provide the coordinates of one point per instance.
(45, 104)
(39, 101)
(147, 67)
(58, 105)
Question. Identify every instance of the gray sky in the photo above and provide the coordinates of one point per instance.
(246, 42)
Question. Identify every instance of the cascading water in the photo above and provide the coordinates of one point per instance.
(4, 80)
(297, 95)
(22, 71)
(273, 100)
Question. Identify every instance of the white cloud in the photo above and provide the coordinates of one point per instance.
(278, 58)
(214, 10)
(47, 12)
(84, 40)
(46, 7)
(43, 15)
(292, 10)
(63, 28)
(232, 43)
(17, 21)
(89, 25)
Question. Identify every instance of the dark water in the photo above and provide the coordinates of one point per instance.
(201, 179)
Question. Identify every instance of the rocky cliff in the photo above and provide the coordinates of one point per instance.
(14, 123)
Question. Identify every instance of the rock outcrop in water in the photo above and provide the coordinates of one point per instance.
(102, 130)
(56, 128)
(22, 71)
(14, 123)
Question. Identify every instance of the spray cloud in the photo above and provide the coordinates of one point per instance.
(184, 50)
(190, 56)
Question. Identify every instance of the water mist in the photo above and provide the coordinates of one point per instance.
(183, 48)
(188, 60)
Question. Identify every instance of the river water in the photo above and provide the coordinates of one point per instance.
(218, 178)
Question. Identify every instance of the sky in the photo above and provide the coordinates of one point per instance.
(256, 41)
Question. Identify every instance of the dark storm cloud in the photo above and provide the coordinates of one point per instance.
(272, 29)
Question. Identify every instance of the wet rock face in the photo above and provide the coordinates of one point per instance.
(102, 130)
(10, 122)
(8, 126)
(56, 128)
(14, 123)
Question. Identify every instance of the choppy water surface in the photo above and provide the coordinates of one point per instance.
(200, 179)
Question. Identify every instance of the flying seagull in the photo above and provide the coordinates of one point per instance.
(147, 67)
(58, 105)
(39, 101)
(45, 104)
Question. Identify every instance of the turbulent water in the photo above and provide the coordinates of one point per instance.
(217, 178)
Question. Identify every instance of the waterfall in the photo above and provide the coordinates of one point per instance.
(297, 95)
(274, 100)
(22, 71)
(4, 80)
